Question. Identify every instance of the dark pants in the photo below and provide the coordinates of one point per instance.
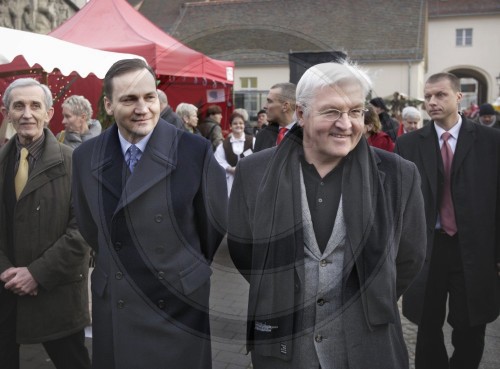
(446, 280)
(67, 352)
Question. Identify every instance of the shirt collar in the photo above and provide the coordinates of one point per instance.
(34, 148)
(141, 145)
(453, 131)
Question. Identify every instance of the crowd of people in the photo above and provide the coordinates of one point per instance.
(333, 210)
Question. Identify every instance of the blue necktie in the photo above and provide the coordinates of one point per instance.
(133, 158)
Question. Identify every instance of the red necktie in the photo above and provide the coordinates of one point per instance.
(281, 134)
(447, 211)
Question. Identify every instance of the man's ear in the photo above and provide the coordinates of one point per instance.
(50, 114)
(108, 105)
(285, 106)
(299, 112)
(5, 113)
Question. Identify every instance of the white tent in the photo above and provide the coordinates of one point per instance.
(22, 50)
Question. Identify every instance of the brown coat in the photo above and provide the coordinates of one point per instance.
(47, 241)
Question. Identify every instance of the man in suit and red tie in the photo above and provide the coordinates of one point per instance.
(151, 200)
(459, 163)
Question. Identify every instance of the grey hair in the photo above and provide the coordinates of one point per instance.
(411, 112)
(327, 74)
(162, 96)
(26, 82)
(79, 105)
(185, 109)
(243, 113)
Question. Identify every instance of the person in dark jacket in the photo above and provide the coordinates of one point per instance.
(167, 113)
(329, 232)
(389, 125)
(459, 162)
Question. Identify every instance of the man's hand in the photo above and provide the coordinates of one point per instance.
(7, 274)
(21, 282)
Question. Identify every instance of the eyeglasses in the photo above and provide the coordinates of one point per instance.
(333, 115)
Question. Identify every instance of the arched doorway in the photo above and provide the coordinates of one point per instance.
(481, 90)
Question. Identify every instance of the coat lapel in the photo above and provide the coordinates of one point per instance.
(48, 166)
(466, 138)
(107, 164)
(157, 162)
(427, 149)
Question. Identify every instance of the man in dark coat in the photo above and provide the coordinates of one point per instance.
(462, 208)
(329, 232)
(151, 200)
(167, 113)
(43, 258)
(488, 116)
(389, 125)
(280, 106)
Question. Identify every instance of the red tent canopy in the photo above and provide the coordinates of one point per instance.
(186, 75)
(114, 25)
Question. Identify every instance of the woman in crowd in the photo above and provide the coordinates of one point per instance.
(234, 147)
(189, 115)
(373, 131)
(78, 122)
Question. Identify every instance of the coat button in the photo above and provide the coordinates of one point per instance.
(119, 275)
(318, 338)
(320, 302)
(118, 246)
(323, 263)
(161, 275)
(161, 304)
(120, 304)
(158, 218)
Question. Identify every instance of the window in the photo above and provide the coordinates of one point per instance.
(464, 37)
(248, 82)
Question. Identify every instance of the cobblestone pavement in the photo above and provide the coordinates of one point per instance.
(228, 304)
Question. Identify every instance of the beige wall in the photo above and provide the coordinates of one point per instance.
(266, 75)
(483, 56)
(387, 78)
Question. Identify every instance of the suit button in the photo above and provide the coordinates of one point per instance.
(118, 246)
(161, 304)
(161, 275)
(119, 275)
(120, 304)
(320, 302)
(318, 338)
(323, 263)
(158, 218)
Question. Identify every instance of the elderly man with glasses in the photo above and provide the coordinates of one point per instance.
(331, 239)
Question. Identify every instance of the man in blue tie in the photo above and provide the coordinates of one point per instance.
(151, 200)
(459, 164)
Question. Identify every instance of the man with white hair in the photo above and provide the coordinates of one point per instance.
(412, 120)
(333, 236)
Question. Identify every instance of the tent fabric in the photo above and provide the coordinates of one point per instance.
(22, 50)
(114, 25)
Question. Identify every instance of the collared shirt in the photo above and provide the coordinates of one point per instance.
(323, 197)
(35, 150)
(452, 141)
(141, 145)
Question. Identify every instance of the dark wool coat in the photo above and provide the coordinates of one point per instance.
(47, 241)
(475, 188)
(155, 232)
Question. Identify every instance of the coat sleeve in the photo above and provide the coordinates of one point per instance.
(86, 223)
(211, 205)
(239, 238)
(67, 259)
(412, 246)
